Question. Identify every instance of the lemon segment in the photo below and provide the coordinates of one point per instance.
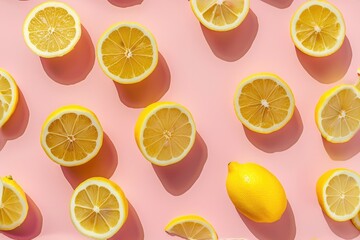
(191, 227)
(317, 28)
(127, 52)
(337, 113)
(13, 204)
(71, 135)
(264, 103)
(9, 96)
(52, 29)
(165, 133)
(220, 15)
(338, 193)
(98, 208)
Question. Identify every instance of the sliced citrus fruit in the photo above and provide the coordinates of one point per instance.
(191, 227)
(13, 204)
(71, 135)
(338, 193)
(220, 15)
(264, 103)
(356, 221)
(9, 96)
(165, 133)
(337, 114)
(317, 28)
(127, 52)
(52, 29)
(98, 208)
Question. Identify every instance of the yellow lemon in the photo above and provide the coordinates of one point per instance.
(255, 192)
(98, 208)
(338, 193)
(191, 227)
(165, 133)
(9, 96)
(52, 29)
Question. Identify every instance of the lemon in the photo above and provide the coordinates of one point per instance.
(191, 227)
(52, 29)
(220, 15)
(127, 52)
(71, 135)
(337, 113)
(264, 103)
(317, 28)
(98, 208)
(165, 133)
(356, 221)
(255, 192)
(9, 96)
(13, 204)
(338, 193)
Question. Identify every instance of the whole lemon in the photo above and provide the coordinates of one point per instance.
(255, 192)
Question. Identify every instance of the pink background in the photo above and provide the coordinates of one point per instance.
(199, 69)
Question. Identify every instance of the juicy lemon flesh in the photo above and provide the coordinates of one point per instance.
(97, 209)
(127, 52)
(11, 209)
(192, 230)
(52, 29)
(342, 195)
(221, 12)
(6, 97)
(167, 134)
(71, 137)
(264, 103)
(341, 116)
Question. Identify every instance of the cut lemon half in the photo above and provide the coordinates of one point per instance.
(356, 221)
(337, 114)
(98, 208)
(338, 193)
(52, 29)
(127, 52)
(165, 133)
(264, 103)
(71, 135)
(13, 204)
(191, 227)
(9, 96)
(220, 15)
(317, 28)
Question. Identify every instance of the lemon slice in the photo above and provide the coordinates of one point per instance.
(356, 221)
(165, 133)
(264, 103)
(317, 28)
(191, 227)
(13, 204)
(52, 29)
(98, 208)
(337, 113)
(338, 193)
(220, 15)
(127, 52)
(71, 135)
(9, 96)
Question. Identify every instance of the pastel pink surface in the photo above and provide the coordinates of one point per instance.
(199, 69)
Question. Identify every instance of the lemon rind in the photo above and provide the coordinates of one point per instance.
(15, 97)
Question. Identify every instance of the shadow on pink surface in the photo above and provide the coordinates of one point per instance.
(149, 90)
(132, 228)
(345, 230)
(125, 3)
(179, 177)
(17, 123)
(279, 3)
(280, 140)
(343, 151)
(233, 45)
(32, 225)
(328, 69)
(283, 229)
(103, 165)
(74, 66)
